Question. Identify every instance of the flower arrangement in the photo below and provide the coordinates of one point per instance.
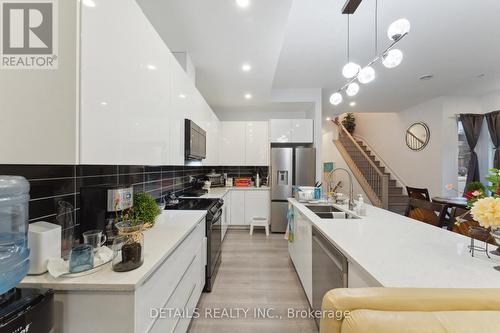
(485, 209)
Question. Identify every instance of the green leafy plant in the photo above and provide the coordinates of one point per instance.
(473, 192)
(145, 210)
(494, 179)
(349, 122)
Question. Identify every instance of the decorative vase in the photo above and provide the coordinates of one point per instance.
(128, 247)
(496, 236)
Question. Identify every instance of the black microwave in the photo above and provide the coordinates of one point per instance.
(195, 145)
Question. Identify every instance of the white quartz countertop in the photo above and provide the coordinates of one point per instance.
(220, 192)
(171, 228)
(401, 252)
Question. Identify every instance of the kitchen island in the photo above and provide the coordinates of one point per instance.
(172, 276)
(384, 249)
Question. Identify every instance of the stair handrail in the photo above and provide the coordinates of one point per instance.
(365, 155)
(384, 195)
(384, 163)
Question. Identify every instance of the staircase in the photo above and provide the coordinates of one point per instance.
(375, 180)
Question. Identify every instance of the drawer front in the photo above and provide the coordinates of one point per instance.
(179, 308)
(158, 289)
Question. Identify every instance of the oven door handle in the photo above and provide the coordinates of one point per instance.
(216, 217)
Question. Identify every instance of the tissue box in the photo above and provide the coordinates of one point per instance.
(44, 241)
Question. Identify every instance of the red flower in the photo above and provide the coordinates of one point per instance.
(498, 189)
(469, 195)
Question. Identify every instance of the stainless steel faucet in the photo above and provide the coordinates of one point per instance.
(351, 186)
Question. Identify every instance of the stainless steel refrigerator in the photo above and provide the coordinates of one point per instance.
(289, 167)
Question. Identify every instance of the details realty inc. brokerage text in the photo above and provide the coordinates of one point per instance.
(243, 313)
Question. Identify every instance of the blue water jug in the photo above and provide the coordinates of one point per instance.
(14, 252)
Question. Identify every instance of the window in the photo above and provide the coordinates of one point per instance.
(463, 158)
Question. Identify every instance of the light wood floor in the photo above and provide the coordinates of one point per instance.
(256, 273)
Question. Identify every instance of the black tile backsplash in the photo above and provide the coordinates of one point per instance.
(51, 184)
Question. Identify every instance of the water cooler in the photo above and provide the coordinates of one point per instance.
(22, 310)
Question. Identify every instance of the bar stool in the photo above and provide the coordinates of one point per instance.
(259, 222)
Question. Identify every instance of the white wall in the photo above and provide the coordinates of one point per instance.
(39, 107)
(385, 132)
(436, 165)
(330, 153)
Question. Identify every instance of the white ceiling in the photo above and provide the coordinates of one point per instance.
(302, 44)
(220, 36)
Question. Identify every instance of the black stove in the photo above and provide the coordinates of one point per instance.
(213, 232)
(192, 204)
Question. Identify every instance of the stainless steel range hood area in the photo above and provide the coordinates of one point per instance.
(195, 145)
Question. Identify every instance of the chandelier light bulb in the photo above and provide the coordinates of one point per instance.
(398, 28)
(392, 58)
(352, 89)
(366, 75)
(350, 70)
(336, 98)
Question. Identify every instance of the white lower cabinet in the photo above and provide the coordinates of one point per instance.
(226, 214)
(257, 204)
(301, 251)
(177, 284)
(246, 204)
(237, 207)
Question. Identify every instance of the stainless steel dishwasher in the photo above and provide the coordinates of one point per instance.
(329, 268)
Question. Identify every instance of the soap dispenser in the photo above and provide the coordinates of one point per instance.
(361, 207)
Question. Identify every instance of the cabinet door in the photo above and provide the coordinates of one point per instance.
(125, 89)
(232, 148)
(302, 131)
(212, 158)
(303, 239)
(257, 144)
(280, 130)
(257, 204)
(237, 207)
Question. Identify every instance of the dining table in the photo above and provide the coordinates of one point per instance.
(460, 202)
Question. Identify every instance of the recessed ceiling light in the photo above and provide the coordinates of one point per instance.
(328, 118)
(243, 3)
(248, 96)
(89, 3)
(352, 104)
(426, 77)
(104, 103)
(151, 67)
(182, 96)
(246, 67)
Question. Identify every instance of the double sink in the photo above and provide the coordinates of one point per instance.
(327, 212)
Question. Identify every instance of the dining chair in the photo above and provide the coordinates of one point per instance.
(428, 212)
(469, 227)
(418, 193)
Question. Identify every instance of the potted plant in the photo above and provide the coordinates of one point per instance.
(349, 122)
(145, 209)
(128, 246)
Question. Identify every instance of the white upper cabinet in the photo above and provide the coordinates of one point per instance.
(291, 130)
(232, 143)
(257, 143)
(244, 143)
(125, 89)
(302, 130)
(280, 130)
(213, 135)
(134, 94)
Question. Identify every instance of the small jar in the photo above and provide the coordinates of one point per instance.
(128, 247)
